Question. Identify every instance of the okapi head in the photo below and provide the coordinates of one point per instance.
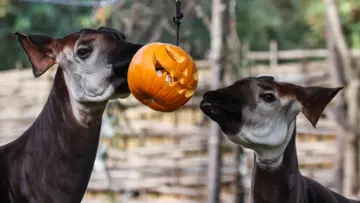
(94, 62)
(93, 65)
(259, 113)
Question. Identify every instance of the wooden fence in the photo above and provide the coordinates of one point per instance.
(162, 157)
(274, 55)
(168, 161)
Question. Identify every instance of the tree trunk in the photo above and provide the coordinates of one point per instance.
(342, 70)
(218, 33)
(234, 47)
(338, 78)
(339, 38)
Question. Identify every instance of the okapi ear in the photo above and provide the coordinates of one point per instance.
(39, 50)
(314, 100)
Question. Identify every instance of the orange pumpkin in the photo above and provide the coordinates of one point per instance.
(162, 76)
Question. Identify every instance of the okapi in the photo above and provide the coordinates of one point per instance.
(53, 159)
(260, 113)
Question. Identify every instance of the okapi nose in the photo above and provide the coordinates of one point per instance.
(121, 67)
(134, 48)
(205, 105)
(212, 96)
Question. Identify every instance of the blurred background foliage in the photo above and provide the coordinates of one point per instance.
(294, 24)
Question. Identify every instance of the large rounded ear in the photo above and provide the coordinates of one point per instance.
(39, 50)
(314, 100)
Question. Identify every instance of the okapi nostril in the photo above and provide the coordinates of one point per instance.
(213, 110)
(205, 104)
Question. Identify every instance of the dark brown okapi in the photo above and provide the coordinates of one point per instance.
(259, 113)
(53, 159)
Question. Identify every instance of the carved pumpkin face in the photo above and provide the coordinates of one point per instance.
(162, 76)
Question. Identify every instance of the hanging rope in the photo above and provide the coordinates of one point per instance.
(177, 19)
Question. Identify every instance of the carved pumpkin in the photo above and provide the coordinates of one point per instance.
(162, 76)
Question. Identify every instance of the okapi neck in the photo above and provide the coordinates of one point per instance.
(269, 165)
(55, 150)
(274, 186)
(57, 123)
(87, 115)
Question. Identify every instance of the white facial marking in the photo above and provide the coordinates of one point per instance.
(267, 129)
(90, 81)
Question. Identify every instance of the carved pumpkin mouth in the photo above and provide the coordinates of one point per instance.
(160, 71)
(175, 77)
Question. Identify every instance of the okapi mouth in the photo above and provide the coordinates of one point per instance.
(120, 68)
(119, 78)
(229, 121)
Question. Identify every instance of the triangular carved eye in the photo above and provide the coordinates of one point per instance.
(171, 53)
(166, 73)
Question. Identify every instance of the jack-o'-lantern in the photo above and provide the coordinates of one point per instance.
(162, 76)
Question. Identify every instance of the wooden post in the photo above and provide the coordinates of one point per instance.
(219, 27)
(239, 183)
(351, 140)
(273, 54)
(176, 142)
(245, 61)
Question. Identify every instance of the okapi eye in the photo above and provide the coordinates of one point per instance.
(83, 53)
(268, 97)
